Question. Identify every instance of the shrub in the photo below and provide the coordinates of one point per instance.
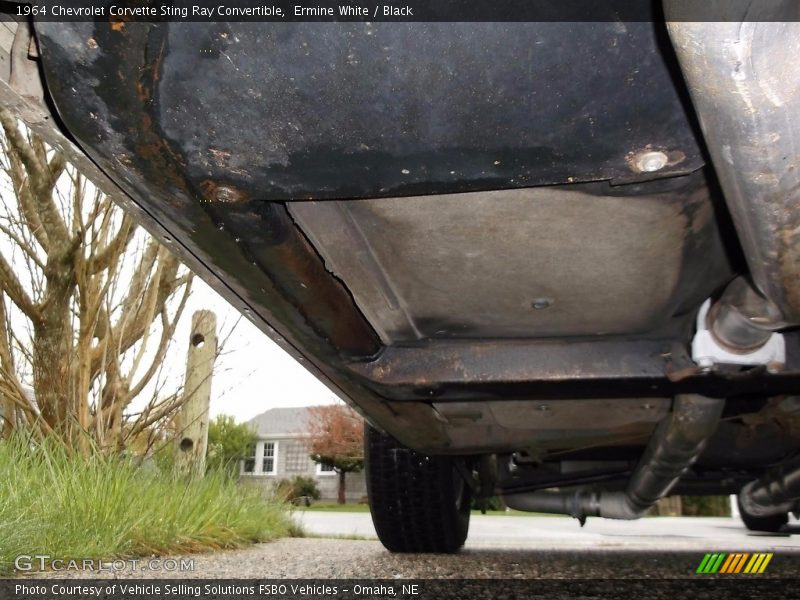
(71, 507)
(228, 443)
(706, 506)
(298, 487)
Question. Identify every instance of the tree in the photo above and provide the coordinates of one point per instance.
(228, 443)
(88, 302)
(336, 439)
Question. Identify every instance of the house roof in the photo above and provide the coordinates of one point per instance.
(281, 421)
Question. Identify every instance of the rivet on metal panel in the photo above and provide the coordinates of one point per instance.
(649, 162)
(214, 192)
(542, 303)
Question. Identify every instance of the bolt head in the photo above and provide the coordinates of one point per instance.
(705, 364)
(213, 191)
(775, 367)
(226, 194)
(650, 162)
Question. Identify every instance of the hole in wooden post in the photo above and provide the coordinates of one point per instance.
(198, 340)
(186, 445)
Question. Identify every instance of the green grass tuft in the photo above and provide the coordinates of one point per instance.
(71, 507)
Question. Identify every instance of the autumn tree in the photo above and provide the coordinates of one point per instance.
(336, 439)
(88, 303)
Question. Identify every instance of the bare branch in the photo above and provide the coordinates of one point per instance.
(40, 179)
(11, 285)
(102, 302)
(167, 333)
(115, 247)
(25, 201)
(23, 245)
(21, 147)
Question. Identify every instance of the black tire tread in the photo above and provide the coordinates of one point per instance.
(412, 497)
(771, 523)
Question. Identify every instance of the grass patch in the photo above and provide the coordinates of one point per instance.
(71, 507)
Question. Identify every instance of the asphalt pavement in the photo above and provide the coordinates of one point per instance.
(519, 532)
(499, 547)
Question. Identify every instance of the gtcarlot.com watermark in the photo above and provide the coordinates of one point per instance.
(44, 562)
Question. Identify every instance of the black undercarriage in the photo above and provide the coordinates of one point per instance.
(493, 239)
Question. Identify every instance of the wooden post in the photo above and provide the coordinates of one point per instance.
(193, 419)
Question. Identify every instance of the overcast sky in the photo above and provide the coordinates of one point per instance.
(254, 374)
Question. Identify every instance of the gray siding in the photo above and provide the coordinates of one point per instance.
(293, 459)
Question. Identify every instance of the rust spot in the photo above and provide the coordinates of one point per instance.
(225, 194)
(220, 157)
(142, 91)
(150, 146)
(679, 375)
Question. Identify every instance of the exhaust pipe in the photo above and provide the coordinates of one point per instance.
(674, 447)
(776, 492)
(739, 59)
(742, 320)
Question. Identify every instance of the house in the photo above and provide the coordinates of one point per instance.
(281, 453)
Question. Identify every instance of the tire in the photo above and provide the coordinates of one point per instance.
(418, 503)
(771, 523)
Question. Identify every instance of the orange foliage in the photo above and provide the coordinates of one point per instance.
(336, 437)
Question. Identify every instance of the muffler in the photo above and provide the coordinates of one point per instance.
(674, 447)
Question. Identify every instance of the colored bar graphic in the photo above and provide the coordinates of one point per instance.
(703, 564)
(734, 563)
(718, 563)
(754, 563)
(727, 564)
(740, 564)
(731, 564)
(767, 558)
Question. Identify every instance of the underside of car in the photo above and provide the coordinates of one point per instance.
(553, 261)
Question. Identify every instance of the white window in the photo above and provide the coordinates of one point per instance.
(270, 458)
(325, 469)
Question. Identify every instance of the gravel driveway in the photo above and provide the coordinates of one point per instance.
(504, 547)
